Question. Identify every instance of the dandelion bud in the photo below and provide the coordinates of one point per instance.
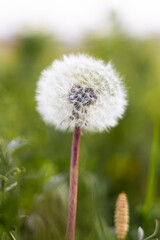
(121, 216)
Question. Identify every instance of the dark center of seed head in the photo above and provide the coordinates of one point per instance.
(81, 97)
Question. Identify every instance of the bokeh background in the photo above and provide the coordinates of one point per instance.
(32, 35)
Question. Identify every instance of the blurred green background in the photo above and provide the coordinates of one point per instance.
(125, 159)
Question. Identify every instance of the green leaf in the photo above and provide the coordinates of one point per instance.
(15, 171)
(15, 144)
(4, 237)
(54, 182)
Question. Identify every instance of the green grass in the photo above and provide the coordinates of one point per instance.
(36, 209)
(153, 172)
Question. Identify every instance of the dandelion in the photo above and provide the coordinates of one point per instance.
(121, 216)
(80, 92)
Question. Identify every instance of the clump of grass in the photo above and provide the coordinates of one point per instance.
(9, 195)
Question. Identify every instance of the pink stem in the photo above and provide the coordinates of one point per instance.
(72, 205)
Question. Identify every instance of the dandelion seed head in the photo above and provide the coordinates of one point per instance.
(81, 91)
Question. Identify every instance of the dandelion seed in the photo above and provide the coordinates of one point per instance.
(121, 216)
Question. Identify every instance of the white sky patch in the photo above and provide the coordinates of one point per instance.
(71, 19)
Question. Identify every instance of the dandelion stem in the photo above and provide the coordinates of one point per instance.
(72, 205)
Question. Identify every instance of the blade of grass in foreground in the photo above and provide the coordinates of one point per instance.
(152, 184)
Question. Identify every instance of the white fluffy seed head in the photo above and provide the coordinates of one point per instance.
(80, 91)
